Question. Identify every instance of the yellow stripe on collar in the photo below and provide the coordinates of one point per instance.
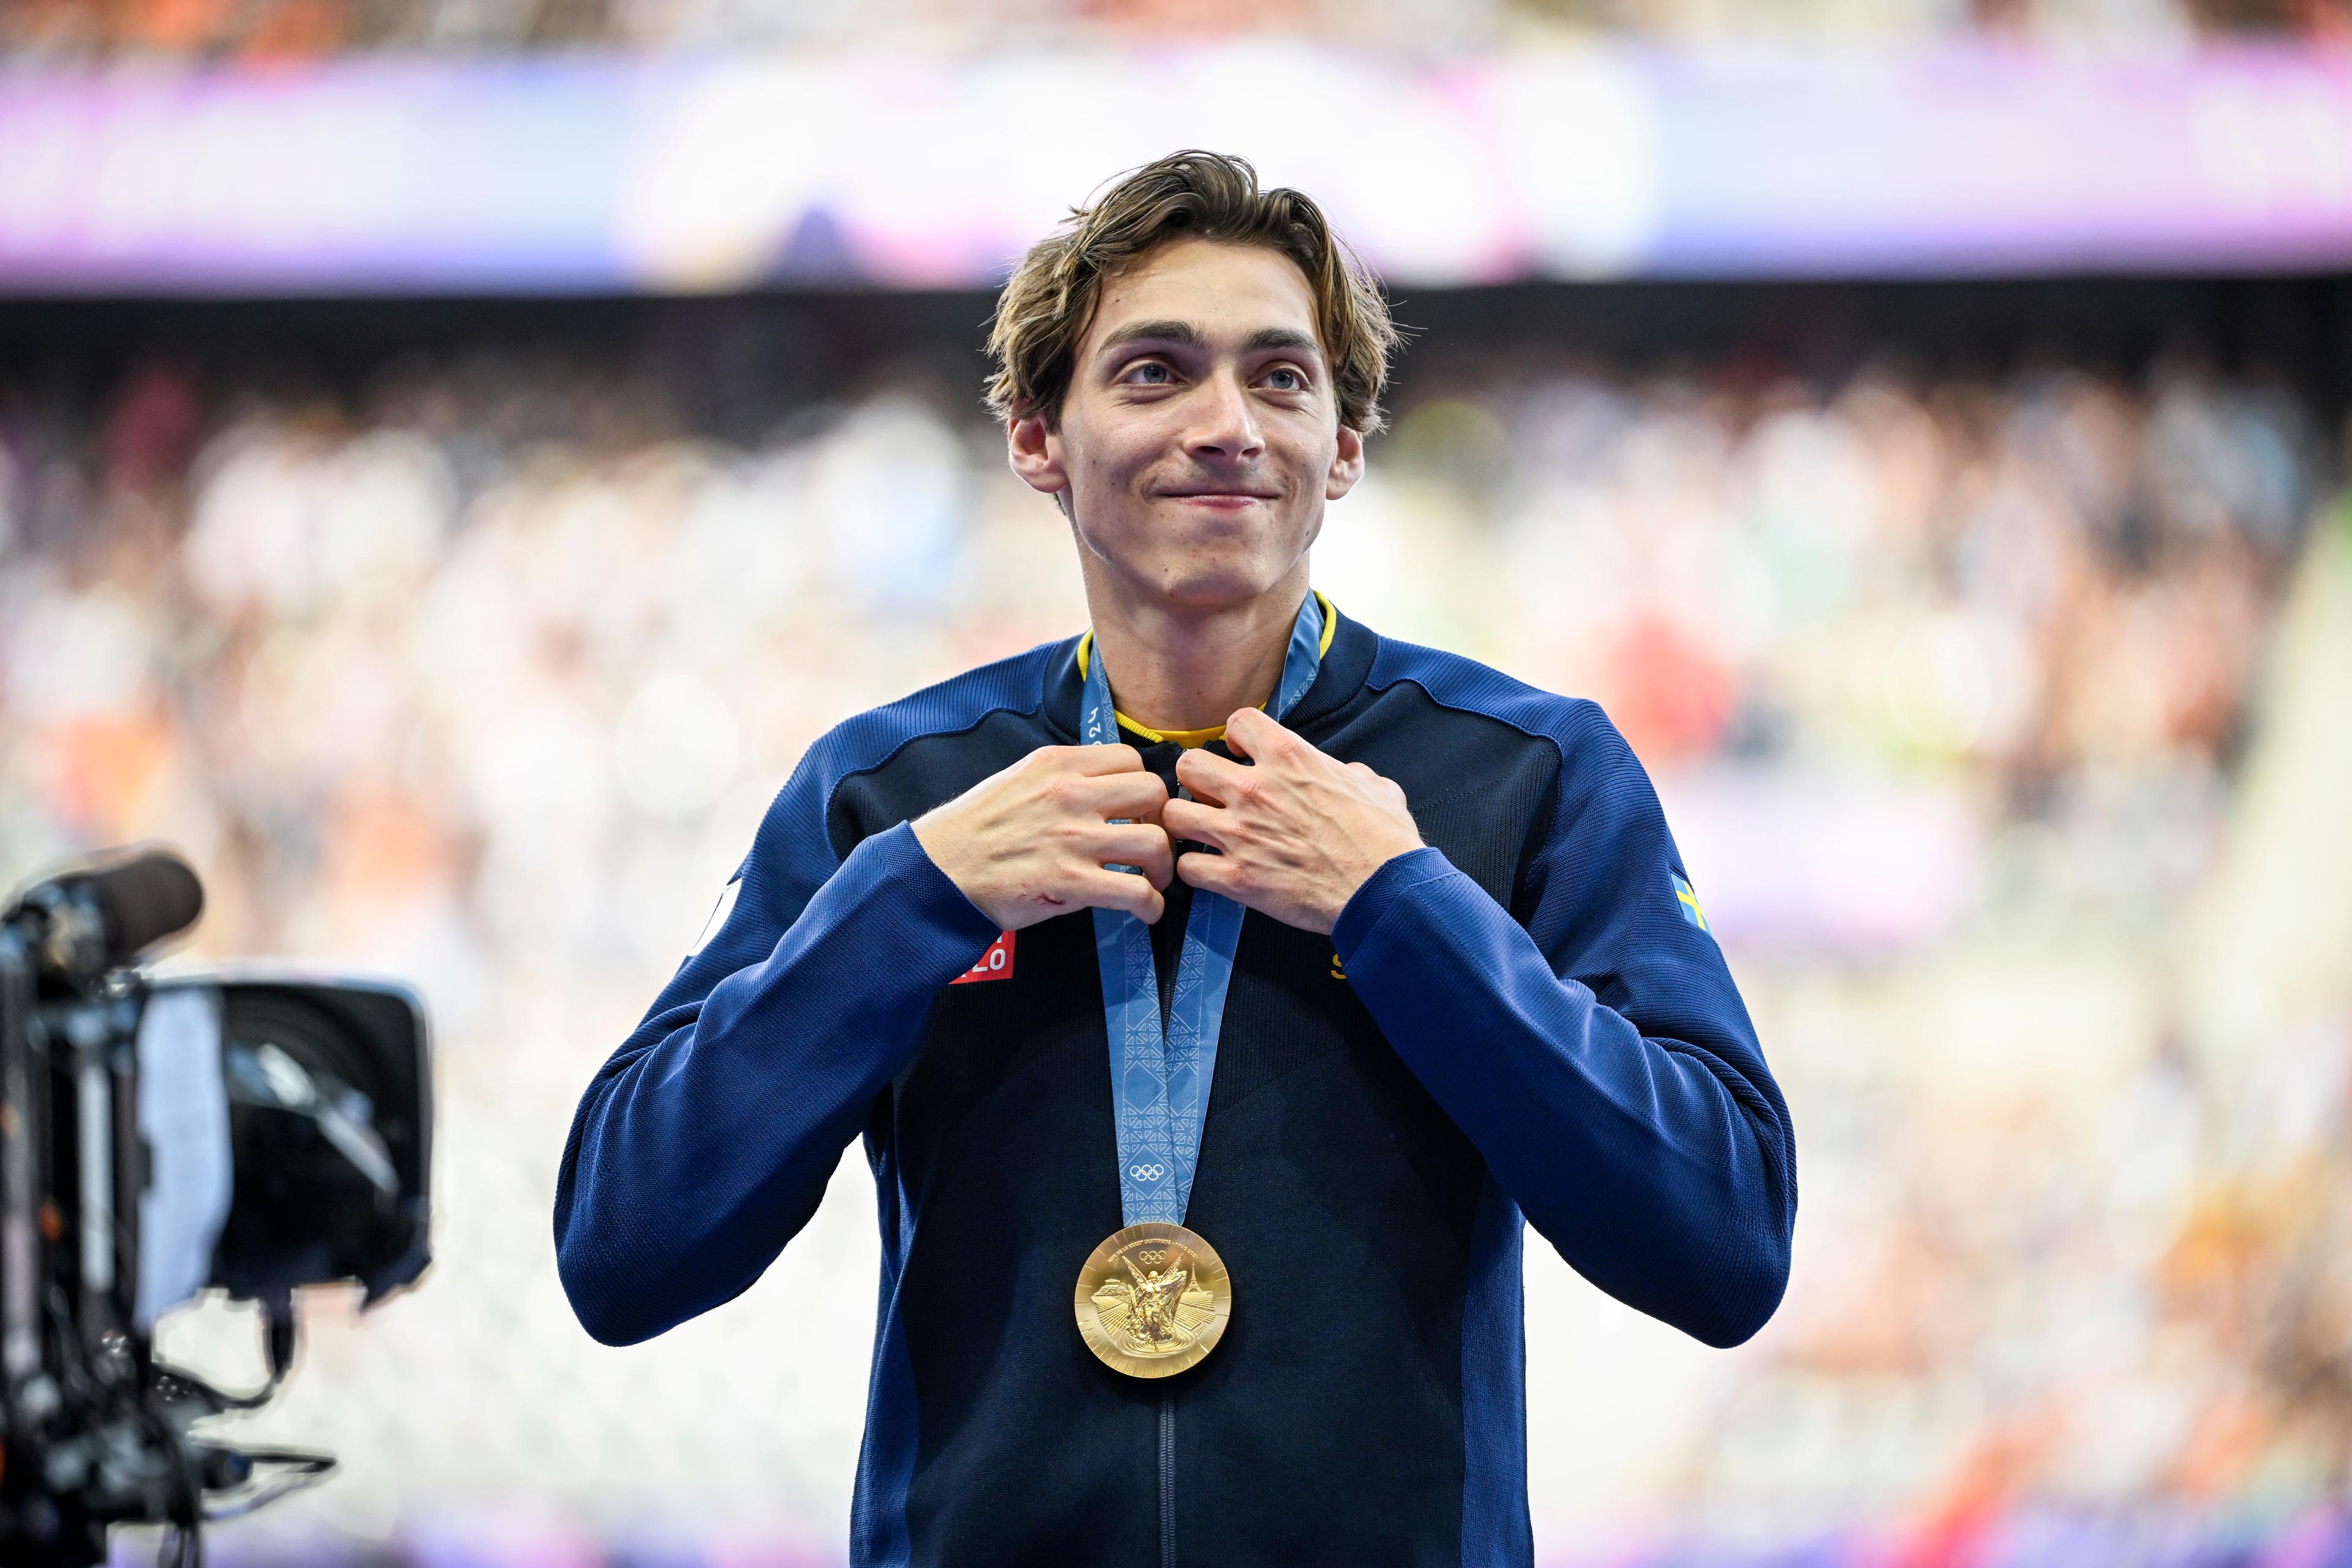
(1187, 739)
(1191, 738)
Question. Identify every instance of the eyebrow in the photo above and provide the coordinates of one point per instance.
(1183, 334)
(1266, 338)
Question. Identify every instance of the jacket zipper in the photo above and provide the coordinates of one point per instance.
(1167, 1479)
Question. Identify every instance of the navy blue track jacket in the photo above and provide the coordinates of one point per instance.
(1525, 1020)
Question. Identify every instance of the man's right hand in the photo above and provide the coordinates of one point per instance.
(1032, 841)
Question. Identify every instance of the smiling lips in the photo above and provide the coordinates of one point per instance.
(1218, 499)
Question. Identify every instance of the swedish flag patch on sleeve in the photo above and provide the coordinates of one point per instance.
(1687, 902)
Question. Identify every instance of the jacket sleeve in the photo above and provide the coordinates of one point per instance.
(706, 1142)
(1600, 1055)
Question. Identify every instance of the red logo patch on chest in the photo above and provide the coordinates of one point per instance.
(996, 963)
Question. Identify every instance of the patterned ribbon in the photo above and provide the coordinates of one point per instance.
(1159, 1078)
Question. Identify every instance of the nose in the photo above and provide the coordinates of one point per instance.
(1223, 424)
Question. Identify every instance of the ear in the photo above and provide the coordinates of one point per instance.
(1035, 454)
(1346, 464)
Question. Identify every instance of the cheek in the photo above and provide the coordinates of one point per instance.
(1109, 459)
(1307, 454)
(1306, 447)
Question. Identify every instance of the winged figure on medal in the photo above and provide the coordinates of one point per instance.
(1157, 1310)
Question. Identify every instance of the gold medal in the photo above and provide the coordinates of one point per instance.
(1153, 1300)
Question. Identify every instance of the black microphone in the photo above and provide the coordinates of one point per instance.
(96, 920)
(143, 901)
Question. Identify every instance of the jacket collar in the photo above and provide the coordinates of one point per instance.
(1345, 668)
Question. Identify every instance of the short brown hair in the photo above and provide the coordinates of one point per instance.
(1051, 296)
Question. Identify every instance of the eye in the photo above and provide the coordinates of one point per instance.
(1149, 373)
(1286, 378)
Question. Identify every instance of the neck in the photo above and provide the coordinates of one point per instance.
(1182, 668)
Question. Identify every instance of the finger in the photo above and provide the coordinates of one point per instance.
(1138, 796)
(1252, 733)
(1118, 891)
(1212, 874)
(1193, 820)
(1146, 849)
(1211, 776)
(1362, 770)
(1095, 761)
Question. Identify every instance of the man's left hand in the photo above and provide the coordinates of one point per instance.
(1299, 832)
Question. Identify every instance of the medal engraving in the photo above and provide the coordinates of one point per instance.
(1153, 1300)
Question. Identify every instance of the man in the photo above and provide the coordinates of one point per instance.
(1231, 979)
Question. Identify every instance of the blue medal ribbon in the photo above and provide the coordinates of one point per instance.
(1159, 1078)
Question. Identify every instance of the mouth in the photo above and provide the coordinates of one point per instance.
(1218, 499)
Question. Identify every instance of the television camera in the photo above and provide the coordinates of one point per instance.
(228, 1129)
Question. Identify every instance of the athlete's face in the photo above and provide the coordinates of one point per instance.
(1200, 436)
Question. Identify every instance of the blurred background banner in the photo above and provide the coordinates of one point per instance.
(608, 173)
(454, 456)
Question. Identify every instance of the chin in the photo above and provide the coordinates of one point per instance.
(1207, 588)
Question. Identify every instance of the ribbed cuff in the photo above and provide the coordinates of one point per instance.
(937, 907)
(1397, 877)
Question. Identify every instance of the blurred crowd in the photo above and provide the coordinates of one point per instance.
(439, 636)
(482, 670)
(283, 29)
(2005, 627)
